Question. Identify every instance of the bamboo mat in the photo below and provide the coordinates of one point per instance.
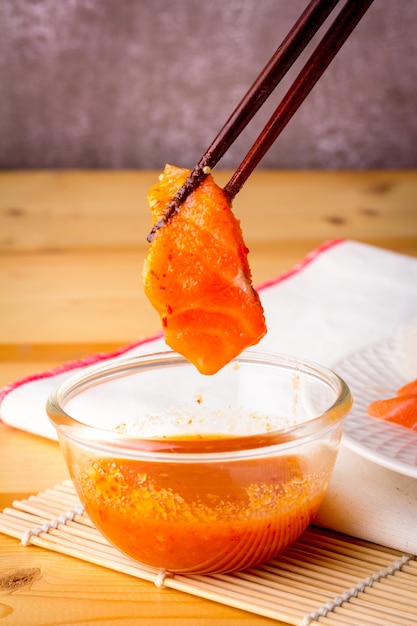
(324, 578)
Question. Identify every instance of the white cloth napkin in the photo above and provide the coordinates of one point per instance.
(338, 300)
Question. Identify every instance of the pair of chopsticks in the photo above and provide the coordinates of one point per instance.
(287, 53)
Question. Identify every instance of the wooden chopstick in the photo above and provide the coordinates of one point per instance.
(320, 59)
(281, 61)
(286, 54)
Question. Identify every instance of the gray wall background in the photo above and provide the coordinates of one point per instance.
(138, 83)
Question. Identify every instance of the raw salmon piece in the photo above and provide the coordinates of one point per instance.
(409, 388)
(197, 276)
(400, 410)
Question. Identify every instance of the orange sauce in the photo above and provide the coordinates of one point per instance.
(200, 517)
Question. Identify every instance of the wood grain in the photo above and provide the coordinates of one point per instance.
(43, 211)
(68, 591)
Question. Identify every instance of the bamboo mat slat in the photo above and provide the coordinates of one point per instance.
(324, 579)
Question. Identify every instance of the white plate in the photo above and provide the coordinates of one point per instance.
(371, 375)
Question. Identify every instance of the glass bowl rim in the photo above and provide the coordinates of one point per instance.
(172, 449)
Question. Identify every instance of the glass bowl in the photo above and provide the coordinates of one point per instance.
(201, 474)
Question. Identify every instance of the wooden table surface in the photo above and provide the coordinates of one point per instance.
(72, 247)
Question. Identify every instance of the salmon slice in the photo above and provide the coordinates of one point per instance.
(197, 276)
(400, 409)
(409, 388)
